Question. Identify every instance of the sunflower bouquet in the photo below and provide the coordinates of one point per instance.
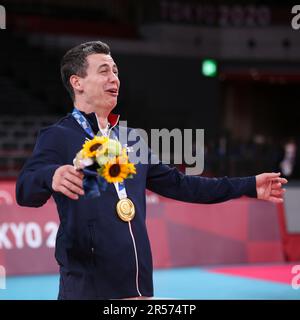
(103, 160)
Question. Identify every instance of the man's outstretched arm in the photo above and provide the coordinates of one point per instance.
(171, 183)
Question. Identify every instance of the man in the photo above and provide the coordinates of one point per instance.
(101, 256)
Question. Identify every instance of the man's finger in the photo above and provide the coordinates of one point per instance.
(276, 185)
(279, 180)
(72, 187)
(276, 200)
(77, 173)
(272, 175)
(73, 171)
(277, 192)
(74, 179)
(68, 193)
(70, 169)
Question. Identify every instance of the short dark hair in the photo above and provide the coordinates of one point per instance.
(74, 61)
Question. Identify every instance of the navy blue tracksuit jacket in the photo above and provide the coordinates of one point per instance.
(99, 256)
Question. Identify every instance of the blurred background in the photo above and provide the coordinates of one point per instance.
(231, 68)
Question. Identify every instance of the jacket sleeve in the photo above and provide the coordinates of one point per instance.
(171, 183)
(34, 182)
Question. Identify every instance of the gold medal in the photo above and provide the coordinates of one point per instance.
(125, 209)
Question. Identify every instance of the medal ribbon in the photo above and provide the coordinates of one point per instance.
(82, 121)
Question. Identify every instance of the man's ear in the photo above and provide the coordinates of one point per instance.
(76, 83)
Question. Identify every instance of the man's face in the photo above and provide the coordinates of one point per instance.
(100, 87)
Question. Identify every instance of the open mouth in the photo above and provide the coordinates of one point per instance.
(112, 91)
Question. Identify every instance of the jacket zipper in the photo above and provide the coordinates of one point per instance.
(136, 260)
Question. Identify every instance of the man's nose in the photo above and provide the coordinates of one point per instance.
(113, 77)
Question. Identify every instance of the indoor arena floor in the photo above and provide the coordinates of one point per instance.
(242, 282)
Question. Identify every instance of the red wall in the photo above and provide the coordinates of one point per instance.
(181, 234)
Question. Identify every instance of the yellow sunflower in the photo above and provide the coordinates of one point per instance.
(116, 170)
(131, 168)
(96, 145)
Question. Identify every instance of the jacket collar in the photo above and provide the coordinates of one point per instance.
(113, 120)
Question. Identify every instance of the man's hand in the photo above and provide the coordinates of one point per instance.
(269, 187)
(68, 181)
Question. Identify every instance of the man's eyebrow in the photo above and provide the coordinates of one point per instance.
(107, 65)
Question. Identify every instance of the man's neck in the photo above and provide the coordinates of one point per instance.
(101, 115)
(102, 121)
